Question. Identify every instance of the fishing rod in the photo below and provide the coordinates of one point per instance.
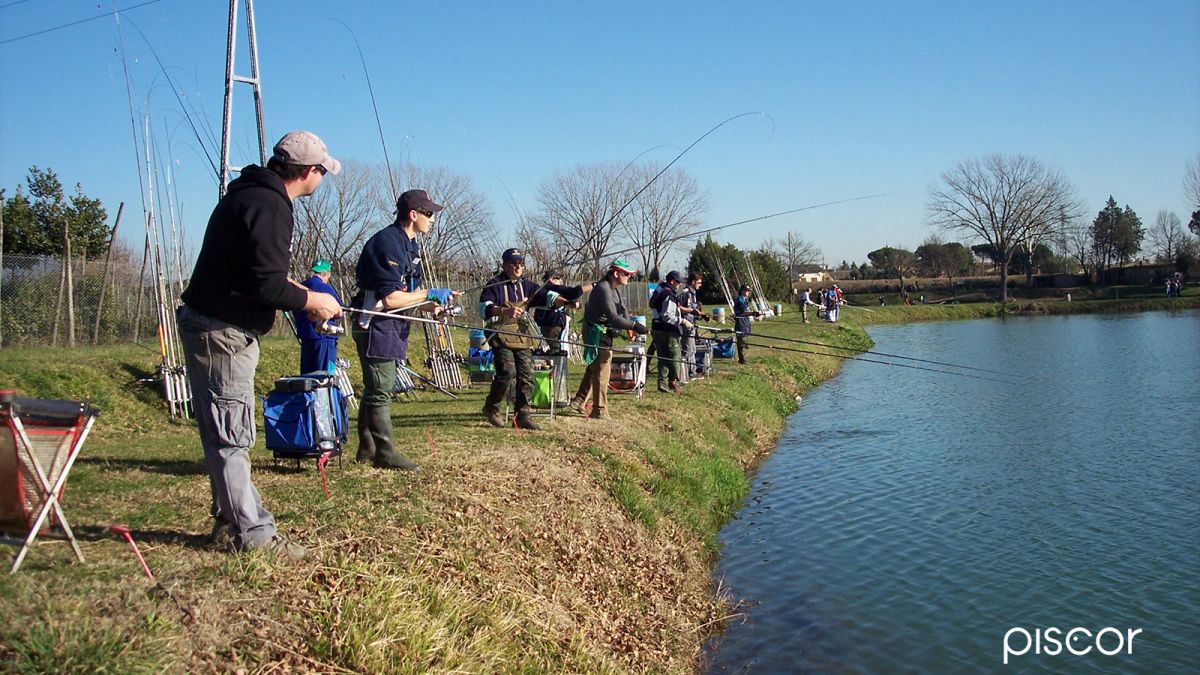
(869, 351)
(859, 358)
(375, 107)
(645, 187)
(698, 233)
(423, 320)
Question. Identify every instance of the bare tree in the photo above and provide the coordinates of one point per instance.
(663, 213)
(336, 221)
(1007, 201)
(582, 208)
(463, 237)
(1191, 188)
(1191, 181)
(794, 253)
(1075, 242)
(1168, 236)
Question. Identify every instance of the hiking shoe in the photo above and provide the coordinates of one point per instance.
(282, 548)
(494, 419)
(664, 390)
(526, 422)
(676, 388)
(222, 534)
(577, 406)
(599, 414)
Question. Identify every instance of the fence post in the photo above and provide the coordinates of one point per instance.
(69, 281)
(104, 276)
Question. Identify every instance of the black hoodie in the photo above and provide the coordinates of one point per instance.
(241, 274)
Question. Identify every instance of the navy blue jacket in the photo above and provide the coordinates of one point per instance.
(305, 329)
(390, 261)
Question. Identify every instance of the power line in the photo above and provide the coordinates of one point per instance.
(10, 4)
(68, 25)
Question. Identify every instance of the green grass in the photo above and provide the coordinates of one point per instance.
(584, 548)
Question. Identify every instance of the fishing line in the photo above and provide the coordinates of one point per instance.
(378, 124)
(876, 353)
(637, 194)
(866, 360)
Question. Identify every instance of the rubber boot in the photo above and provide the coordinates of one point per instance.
(379, 423)
(366, 444)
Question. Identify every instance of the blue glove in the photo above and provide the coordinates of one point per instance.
(439, 295)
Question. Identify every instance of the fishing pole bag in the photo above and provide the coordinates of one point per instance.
(723, 348)
(305, 416)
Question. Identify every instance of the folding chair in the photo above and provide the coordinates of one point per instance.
(38, 446)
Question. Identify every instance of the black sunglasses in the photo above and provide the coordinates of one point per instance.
(320, 168)
(427, 214)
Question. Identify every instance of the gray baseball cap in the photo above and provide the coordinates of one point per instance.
(303, 148)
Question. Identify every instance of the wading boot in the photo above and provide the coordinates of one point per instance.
(379, 424)
(366, 444)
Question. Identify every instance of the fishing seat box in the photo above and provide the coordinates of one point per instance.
(305, 416)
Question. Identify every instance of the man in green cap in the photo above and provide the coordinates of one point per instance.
(603, 316)
(318, 341)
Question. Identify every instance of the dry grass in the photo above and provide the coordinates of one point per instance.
(584, 548)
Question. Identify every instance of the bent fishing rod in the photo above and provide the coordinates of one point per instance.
(698, 233)
(865, 360)
(859, 351)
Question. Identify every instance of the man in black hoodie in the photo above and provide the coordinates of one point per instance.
(239, 281)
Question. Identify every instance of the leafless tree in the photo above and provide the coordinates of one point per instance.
(1075, 241)
(581, 207)
(462, 240)
(337, 220)
(1191, 181)
(1007, 201)
(1168, 236)
(663, 213)
(794, 253)
(1191, 188)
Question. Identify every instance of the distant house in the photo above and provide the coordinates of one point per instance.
(812, 274)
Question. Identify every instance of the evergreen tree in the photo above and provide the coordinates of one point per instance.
(33, 223)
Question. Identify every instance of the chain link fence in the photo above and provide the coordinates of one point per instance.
(44, 302)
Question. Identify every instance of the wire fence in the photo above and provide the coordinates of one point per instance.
(44, 303)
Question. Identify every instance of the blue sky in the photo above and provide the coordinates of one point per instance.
(863, 98)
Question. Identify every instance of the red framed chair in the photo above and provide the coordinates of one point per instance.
(39, 442)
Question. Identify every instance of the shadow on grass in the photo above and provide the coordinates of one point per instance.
(192, 540)
(170, 467)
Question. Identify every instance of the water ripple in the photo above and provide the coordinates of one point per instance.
(906, 523)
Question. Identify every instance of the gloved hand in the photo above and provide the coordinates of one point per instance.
(640, 329)
(439, 295)
(687, 325)
(704, 317)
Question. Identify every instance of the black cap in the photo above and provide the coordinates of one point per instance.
(675, 276)
(744, 288)
(416, 200)
(550, 274)
(513, 255)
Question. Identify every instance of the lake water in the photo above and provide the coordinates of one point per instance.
(908, 520)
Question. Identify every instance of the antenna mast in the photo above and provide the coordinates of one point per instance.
(254, 81)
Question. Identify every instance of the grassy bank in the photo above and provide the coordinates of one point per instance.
(586, 547)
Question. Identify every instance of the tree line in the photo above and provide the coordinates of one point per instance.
(1018, 214)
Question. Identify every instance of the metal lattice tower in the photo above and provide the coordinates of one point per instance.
(254, 81)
